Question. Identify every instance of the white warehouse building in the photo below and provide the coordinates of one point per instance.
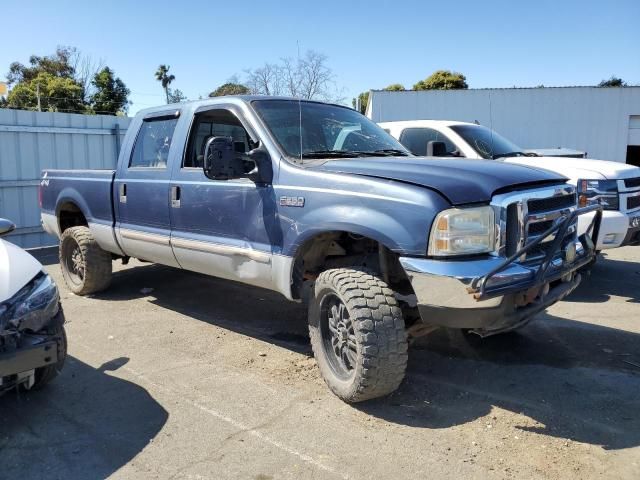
(603, 122)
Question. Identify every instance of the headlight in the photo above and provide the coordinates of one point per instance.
(463, 231)
(32, 307)
(594, 192)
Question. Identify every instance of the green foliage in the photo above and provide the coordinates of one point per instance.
(56, 94)
(111, 95)
(364, 100)
(162, 75)
(57, 65)
(395, 87)
(613, 82)
(176, 96)
(65, 81)
(442, 80)
(230, 88)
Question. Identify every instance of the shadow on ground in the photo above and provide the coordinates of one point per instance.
(85, 425)
(570, 376)
(610, 277)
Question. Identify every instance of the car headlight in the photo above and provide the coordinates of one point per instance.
(463, 231)
(594, 192)
(32, 307)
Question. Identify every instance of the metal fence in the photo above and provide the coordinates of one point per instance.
(33, 141)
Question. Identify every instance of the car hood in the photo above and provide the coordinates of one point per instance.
(17, 268)
(459, 180)
(576, 168)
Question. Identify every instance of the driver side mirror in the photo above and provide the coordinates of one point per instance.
(222, 162)
(6, 226)
(436, 149)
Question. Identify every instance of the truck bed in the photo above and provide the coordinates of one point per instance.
(91, 190)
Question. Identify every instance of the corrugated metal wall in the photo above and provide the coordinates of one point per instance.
(33, 141)
(595, 120)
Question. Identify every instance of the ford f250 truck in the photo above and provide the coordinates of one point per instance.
(614, 185)
(380, 244)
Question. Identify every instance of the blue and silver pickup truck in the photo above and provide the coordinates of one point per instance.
(317, 202)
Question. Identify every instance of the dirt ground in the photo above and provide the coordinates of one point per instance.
(176, 375)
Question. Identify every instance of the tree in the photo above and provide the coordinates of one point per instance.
(442, 80)
(176, 96)
(395, 87)
(162, 75)
(49, 92)
(57, 65)
(111, 95)
(364, 100)
(230, 88)
(307, 77)
(613, 82)
(63, 72)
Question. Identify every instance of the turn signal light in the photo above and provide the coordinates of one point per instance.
(582, 201)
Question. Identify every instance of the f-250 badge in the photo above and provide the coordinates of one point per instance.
(292, 201)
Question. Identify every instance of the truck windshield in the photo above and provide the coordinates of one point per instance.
(306, 130)
(486, 142)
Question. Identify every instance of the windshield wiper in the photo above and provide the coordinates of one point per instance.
(514, 154)
(331, 154)
(353, 153)
(390, 152)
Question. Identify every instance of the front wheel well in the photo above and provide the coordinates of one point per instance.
(342, 249)
(70, 215)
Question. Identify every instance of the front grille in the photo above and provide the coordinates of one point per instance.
(528, 218)
(633, 202)
(538, 205)
(539, 228)
(632, 182)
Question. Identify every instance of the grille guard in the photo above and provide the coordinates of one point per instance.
(478, 286)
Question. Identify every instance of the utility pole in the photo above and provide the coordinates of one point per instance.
(38, 95)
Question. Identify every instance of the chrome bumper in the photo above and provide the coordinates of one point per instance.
(495, 291)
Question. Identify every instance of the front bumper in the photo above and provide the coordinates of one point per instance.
(616, 228)
(30, 323)
(494, 294)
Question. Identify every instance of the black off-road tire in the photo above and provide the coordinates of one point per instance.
(91, 270)
(380, 357)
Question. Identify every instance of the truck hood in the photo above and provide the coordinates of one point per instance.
(17, 268)
(459, 180)
(576, 168)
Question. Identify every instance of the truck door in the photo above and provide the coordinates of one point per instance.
(224, 228)
(141, 191)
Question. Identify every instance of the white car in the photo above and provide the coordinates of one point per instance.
(33, 343)
(616, 186)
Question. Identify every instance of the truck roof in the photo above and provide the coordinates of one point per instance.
(234, 99)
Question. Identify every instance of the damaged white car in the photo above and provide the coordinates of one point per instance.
(33, 343)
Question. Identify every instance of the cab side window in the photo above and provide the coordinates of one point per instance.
(215, 123)
(416, 139)
(151, 149)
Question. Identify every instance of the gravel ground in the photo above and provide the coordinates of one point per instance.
(176, 375)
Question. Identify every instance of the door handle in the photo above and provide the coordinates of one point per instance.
(175, 196)
(123, 193)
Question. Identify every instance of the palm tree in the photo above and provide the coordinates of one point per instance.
(162, 77)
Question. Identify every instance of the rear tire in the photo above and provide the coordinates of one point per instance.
(86, 268)
(357, 334)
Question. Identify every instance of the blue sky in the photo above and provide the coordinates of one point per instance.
(369, 44)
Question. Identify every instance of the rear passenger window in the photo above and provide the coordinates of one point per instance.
(151, 149)
(416, 139)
